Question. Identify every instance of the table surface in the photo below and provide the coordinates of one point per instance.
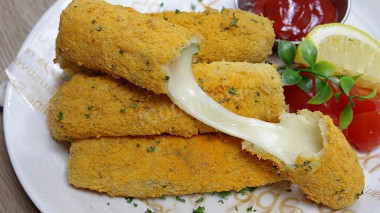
(16, 20)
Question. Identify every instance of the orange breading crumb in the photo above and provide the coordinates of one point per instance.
(95, 106)
(334, 179)
(144, 167)
(250, 40)
(120, 41)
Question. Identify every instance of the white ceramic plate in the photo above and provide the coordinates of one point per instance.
(40, 162)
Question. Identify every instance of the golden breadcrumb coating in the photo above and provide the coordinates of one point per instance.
(334, 179)
(154, 166)
(95, 106)
(251, 39)
(120, 41)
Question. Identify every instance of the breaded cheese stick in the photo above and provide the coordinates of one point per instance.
(95, 106)
(230, 35)
(333, 178)
(120, 41)
(145, 167)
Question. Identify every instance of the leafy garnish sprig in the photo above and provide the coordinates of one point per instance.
(326, 83)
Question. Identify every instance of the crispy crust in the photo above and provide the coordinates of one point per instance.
(177, 166)
(95, 106)
(251, 41)
(334, 179)
(120, 41)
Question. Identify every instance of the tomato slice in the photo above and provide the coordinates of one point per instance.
(369, 105)
(364, 131)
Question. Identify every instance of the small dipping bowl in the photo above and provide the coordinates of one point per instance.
(342, 8)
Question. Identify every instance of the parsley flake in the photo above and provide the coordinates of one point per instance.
(60, 116)
(224, 194)
(180, 199)
(135, 204)
(122, 111)
(150, 149)
(199, 200)
(133, 105)
(177, 11)
(236, 208)
(166, 78)
(249, 209)
(220, 201)
(162, 4)
(232, 91)
(200, 209)
(87, 115)
(90, 107)
(162, 198)
(234, 22)
(128, 199)
(149, 211)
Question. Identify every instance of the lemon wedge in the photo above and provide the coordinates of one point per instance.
(350, 50)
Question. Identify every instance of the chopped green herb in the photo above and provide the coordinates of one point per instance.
(133, 105)
(180, 199)
(200, 0)
(128, 199)
(108, 204)
(162, 4)
(232, 91)
(87, 115)
(177, 11)
(138, 145)
(234, 22)
(220, 201)
(224, 194)
(162, 198)
(166, 78)
(251, 189)
(199, 200)
(149, 211)
(135, 204)
(201, 80)
(200, 209)
(60, 116)
(121, 51)
(158, 142)
(236, 208)
(150, 149)
(249, 209)
(122, 111)
(90, 107)
(223, 8)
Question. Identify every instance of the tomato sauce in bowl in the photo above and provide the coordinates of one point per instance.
(293, 19)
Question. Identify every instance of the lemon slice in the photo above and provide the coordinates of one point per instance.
(350, 50)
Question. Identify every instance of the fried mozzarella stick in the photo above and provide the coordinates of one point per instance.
(95, 106)
(332, 176)
(120, 41)
(230, 35)
(145, 167)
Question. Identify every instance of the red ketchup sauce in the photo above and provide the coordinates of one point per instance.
(293, 19)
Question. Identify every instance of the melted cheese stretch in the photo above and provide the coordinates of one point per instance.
(294, 135)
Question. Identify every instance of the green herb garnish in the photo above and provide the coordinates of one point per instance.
(249, 209)
(128, 199)
(180, 199)
(149, 211)
(200, 209)
(60, 116)
(234, 22)
(162, 198)
(224, 194)
(199, 200)
(150, 149)
(177, 11)
(133, 105)
(220, 201)
(90, 107)
(87, 115)
(325, 81)
(122, 111)
(232, 91)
